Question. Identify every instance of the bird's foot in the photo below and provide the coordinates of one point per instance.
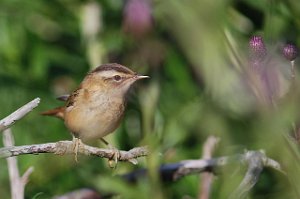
(76, 145)
(113, 161)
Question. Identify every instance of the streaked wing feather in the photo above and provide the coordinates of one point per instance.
(72, 98)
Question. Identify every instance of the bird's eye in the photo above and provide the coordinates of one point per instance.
(117, 78)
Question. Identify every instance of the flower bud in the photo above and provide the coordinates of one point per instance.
(137, 17)
(257, 48)
(290, 52)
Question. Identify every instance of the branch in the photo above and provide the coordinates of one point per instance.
(18, 114)
(256, 162)
(175, 171)
(67, 147)
(17, 183)
(207, 177)
(196, 166)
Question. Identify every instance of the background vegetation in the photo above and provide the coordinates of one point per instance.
(196, 53)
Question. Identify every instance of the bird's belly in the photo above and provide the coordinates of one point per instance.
(89, 123)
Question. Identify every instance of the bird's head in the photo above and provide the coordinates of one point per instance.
(112, 77)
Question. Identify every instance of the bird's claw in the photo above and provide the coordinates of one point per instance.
(113, 161)
(76, 145)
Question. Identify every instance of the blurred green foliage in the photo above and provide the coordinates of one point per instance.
(196, 55)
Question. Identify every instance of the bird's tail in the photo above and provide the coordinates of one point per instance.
(57, 112)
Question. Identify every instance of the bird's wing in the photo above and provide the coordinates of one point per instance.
(59, 112)
(72, 98)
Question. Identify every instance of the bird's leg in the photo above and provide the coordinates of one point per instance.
(115, 156)
(76, 144)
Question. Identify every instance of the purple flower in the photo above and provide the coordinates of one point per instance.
(137, 17)
(257, 48)
(290, 52)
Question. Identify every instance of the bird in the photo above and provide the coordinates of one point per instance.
(96, 108)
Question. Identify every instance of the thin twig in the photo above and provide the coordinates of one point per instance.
(175, 171)
(67, 147)
(17, 183)
(207, 177)
(27, 173)
(18, 114)
(256, 161)
(13, 170)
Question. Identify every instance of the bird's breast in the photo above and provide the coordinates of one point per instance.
(94, 118)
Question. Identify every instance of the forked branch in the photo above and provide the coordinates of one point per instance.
(174, 171)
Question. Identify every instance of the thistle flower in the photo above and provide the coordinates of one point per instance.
(290, 52)
(137, 17)
(257, 53)
(257, 48)
(264, 74)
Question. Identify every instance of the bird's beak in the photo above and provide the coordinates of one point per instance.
(140, 77)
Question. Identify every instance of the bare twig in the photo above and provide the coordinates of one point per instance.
(174, 171)
(25, 176)
(196, 166)
(256, 162)
(17, 183)
(13, 170)
(207, 177)
(18, 114)
(67, 147)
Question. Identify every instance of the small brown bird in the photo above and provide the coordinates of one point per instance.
(96, 108)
